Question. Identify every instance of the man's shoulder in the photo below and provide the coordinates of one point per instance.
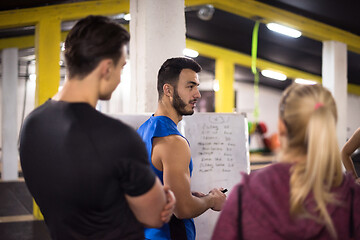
(40, 113)
(155, 120)
(173, 140)
(171, 145)
(158, 126)
(41, 109)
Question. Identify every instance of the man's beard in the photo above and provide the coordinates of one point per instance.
(179, 105)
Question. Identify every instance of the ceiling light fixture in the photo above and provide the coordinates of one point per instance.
(62, 46)
(32, 77)
(206, 12)
(283, 30)
(274, 75)
(190, 53)
(127, 17)
(304, 81)
(216, 85)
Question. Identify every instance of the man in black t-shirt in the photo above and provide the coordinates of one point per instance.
(89, 173)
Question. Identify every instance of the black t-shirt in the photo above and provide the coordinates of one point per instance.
(78, 164)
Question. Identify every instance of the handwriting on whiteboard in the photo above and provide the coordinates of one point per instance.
(215, 147)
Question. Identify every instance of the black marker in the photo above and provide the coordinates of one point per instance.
(224, 190)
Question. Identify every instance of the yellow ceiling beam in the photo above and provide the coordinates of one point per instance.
(28, 41)
(63, 12)
(23, 42)
(216, 52)
(354, 89)
(17, 42)
(245, 8)
(205, 50)
(310, 28)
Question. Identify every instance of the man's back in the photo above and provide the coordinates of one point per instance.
(76, 163)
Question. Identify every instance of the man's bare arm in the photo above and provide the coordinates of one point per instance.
(172, 154)
(154, 207)
(350, 146)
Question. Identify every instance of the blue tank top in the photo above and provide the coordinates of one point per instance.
(162, 126)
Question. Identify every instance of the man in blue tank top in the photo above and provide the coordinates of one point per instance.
(169, 151)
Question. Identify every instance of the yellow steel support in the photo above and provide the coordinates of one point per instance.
(28, 41)
(354, 89)
(244, 8)
(47, 20)
(23, 42)
(310, 28)
(224, 97)
(69, 11)
(36, 211)
(17, 42)
(47, 54)
(215, 52)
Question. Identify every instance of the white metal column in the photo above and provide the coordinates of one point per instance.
(9, 60)
(157, 29)
(334, 77)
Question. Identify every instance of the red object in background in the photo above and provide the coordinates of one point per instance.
(261, 127)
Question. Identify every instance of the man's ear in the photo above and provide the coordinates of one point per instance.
(282, 127)
(106, 67)
(168, 89)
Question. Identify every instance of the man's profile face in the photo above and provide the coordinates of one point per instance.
(186, 93)
(115, 76)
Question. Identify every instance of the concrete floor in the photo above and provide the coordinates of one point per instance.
(16, 218)
(16, 207)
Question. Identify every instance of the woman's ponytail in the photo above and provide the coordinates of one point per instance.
(309, 113)
(323, 165)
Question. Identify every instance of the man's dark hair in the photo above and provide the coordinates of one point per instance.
(170, 71)
(91, 40)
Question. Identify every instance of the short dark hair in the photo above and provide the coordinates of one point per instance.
(171, 69)
(91, 40)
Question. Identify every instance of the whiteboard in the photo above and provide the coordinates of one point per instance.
(219, 149)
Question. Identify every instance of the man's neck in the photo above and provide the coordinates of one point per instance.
(79, 90)
(166, 109)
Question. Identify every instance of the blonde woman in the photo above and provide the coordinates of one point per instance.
(305, 195)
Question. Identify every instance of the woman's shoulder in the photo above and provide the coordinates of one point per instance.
(272, 171)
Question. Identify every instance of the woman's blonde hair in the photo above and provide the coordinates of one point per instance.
(310, 116)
